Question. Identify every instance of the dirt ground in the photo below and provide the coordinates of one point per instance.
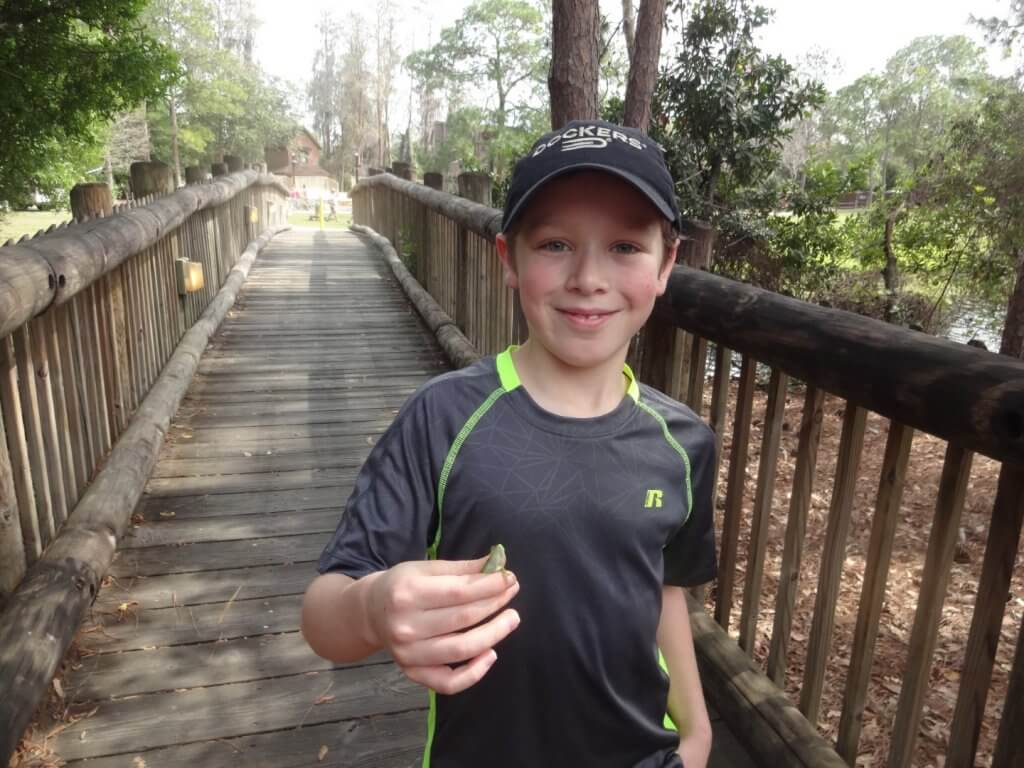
(910, 546)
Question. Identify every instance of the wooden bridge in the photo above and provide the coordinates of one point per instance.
(214, 435)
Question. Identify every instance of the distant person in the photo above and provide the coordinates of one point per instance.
(598, 487)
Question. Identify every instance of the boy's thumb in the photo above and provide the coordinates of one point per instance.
(458, 567)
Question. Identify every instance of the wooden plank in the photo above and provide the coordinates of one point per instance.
(233, 528)
(50, 434)
(227, 711)
(351, 456)
(267, 481)
(207, 586)
(734, 492)
(719, 401)
(131, 630)
(883, 529)
(796, 527)
(153, 561)
(1009, 745)
(987, 621)
(763, 499)
(833, 555)
(956, 471)
(698, 374)
(184, 445)
(382, 741)
(72, 399)
(62, 392)
(96, 340)
(86, 384)
(21, 471)
(132, 673)
(248, 503)
(41, 485)
(12, 549)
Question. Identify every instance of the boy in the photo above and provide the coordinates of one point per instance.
(598, 487)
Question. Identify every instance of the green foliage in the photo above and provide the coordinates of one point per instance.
(65, 69)
(722, 108)
(223, 103)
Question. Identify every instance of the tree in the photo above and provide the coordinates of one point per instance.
(643, 64)
(324, 88)
(575, 39)
(65, 70)
(724, 108)
(500, 42)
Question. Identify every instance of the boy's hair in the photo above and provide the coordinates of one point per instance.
(597, 146)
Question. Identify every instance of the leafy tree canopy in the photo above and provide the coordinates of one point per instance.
(64, 69)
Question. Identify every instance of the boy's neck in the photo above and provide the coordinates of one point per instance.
(566, 390)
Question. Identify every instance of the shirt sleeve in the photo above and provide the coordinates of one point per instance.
(390, 514)
(690, 553)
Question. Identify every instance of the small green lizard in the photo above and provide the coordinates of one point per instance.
(496, 561)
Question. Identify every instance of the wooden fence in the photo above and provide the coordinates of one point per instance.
(972, 399)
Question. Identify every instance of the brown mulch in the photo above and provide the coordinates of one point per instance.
(910, 547)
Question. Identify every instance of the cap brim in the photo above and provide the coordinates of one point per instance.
(641, 186)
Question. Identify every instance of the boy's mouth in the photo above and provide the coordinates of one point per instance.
(586, 318)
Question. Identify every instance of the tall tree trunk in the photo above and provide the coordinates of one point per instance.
(108, 166)
(643, 68)
(629, 27)
(1013, 332)
(890, 273)
(575, 42)
(175, 156)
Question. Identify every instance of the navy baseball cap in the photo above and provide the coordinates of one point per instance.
(593, 145)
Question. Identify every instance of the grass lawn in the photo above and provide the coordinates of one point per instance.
(300, 219)
(14, 224)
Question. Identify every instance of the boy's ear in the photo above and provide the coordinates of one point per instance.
(507, 262)
(666, 267)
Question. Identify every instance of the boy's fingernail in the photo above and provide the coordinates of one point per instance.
(515, 619)
(493, 657)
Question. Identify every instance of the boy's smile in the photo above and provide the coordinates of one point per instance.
(589, 260)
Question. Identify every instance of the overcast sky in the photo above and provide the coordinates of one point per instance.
(861, 34)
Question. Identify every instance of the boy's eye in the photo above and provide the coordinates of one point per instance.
(625, 248)
(556, 246)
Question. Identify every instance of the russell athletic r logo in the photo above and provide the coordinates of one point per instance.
(653, 499)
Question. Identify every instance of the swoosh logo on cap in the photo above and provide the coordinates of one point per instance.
(584, 143)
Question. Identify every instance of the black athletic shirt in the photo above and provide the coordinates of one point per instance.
(595, 514)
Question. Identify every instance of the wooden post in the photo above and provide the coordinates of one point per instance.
(234, 163)
(218, 169)
(91, 201)
(697, 248)
(403, 171)
(475, 187)
(433, 179)
(151, 178)
(194, 174)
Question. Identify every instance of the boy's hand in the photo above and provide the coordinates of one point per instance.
(422, 611)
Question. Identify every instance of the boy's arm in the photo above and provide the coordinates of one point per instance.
(685, 696)
(335, 620)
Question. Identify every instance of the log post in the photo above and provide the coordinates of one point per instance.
(697, 247)
(151, 178)
(234, 163)
(218, 169)
(403, 171)
(434, 180)
(475, 187)
(91, 201)
(194, 175)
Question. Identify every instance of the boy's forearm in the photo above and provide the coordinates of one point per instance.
(686, 695)
(335, 619)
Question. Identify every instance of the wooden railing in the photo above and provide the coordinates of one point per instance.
(964, 398)
(90, 315)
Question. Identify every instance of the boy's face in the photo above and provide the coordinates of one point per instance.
(589, 259)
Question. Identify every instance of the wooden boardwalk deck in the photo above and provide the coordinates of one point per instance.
(192, 656)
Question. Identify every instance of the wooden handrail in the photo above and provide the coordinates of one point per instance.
(52, 269)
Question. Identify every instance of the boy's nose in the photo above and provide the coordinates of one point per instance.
(587, 274)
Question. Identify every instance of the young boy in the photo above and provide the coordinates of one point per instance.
(598, 487)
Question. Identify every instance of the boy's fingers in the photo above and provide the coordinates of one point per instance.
(446, 680)
(457, 647)
(443, 621)
(456, 567)
(447, 590)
